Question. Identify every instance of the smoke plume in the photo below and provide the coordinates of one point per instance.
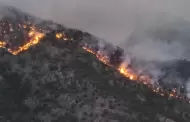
(108, 19)
(148, 24)
(154, 32)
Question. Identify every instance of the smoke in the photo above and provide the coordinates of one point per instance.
(122, 21)
(152, 31)
(109, 19)
(188, 88)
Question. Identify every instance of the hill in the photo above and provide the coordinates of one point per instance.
(56, 80)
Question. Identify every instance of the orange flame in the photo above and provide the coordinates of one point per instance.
(61, 36)
(129, 73)
(35, 40)
(2, 44)
(36, 37)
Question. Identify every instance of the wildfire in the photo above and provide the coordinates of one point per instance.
(35, 39)
(103, 58)
(2, 44)
(88, 50)
(126, 71)
(36, 36)
(31, 33)
(145, 79)
(61, 36)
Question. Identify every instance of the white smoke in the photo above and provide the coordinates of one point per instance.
(119, 21)
(109, 19)
(144, 28)
(188, 88)
(165, 41)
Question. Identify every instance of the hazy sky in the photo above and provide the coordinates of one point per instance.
(119, 21)
(112, 20)
(116, 20)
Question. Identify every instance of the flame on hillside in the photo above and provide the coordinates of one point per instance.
(132, 75)
(61, 36)
(36, 36)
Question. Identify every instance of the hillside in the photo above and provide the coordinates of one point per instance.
(56, 80)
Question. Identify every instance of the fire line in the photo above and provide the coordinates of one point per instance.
(36, 37)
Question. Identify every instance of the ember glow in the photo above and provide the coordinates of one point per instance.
(144, 79)
(61, 36)
(36, 36)
(127, 72)
(35, 39)
(2, 44)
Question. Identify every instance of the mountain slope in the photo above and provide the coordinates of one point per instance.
(57, 80)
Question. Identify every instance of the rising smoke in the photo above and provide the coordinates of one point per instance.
(120, 21)
(153, 31)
